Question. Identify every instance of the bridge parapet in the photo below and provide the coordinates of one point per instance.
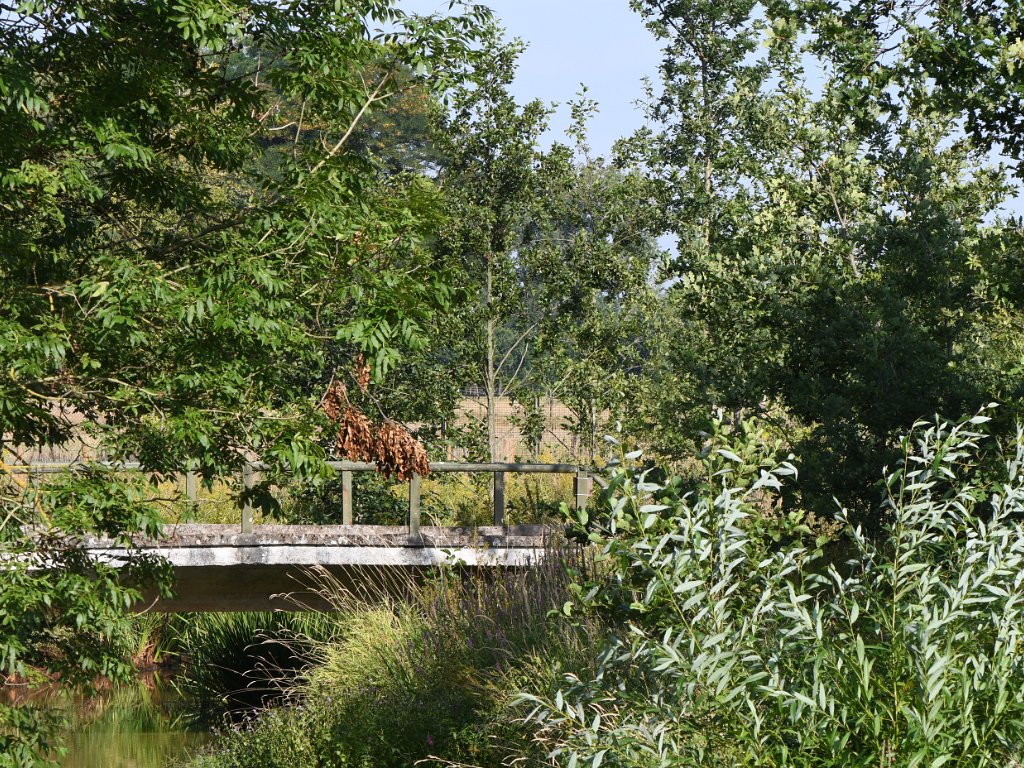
(582, 483)
(254, 567)
(185, 543)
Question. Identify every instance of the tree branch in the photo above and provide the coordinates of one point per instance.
(355, 121)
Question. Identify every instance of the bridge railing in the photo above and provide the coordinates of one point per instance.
(582, 483)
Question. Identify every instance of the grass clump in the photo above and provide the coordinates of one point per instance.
(238, 663)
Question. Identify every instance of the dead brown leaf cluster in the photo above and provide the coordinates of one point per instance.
(399, 453)
(362, 372)
(388, 444)
(335, 400)
(355, 435)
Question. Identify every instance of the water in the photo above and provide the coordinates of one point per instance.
(128, 727)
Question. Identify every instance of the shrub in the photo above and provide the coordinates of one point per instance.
(735, 649)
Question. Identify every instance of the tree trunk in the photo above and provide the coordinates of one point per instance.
(490, 374)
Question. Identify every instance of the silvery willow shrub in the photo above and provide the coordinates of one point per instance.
(733, 648)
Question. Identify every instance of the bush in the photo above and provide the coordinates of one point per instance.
(737, 649)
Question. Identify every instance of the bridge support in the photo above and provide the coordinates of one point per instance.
(248, 480)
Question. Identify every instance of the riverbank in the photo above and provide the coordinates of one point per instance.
(429, 677)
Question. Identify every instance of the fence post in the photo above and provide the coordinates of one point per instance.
(499, 498)
(581, 488)
(346, 497)
(414, 505)
(248, 481)
(190, 486)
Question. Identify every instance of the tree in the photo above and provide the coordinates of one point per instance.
(836, 242)
(490, 149)
(969, 54)
(551, 245)
(168, 280)
(591, 254)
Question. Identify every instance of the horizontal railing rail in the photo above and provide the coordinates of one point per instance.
(582, 482)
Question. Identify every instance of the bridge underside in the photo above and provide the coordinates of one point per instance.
(292, 567)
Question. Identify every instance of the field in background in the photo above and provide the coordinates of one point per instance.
(558, 440)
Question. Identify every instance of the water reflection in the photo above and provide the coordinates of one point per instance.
(139, 726)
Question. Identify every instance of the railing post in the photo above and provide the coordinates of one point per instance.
(581, 488)
(499, 498)
(346, 497)
(248, 481)
(414, 505)
(190, 486)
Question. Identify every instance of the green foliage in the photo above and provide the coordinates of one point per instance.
(840, 247)
(172, 270)
(25, 735)
(60, 610)
(965, 59)
(237, 663)
(53, 589)
(553, 249)
(463, 499)
(445, 499)
(732, 649)
(374, 502)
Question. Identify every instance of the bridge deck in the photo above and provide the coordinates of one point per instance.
(217, 567)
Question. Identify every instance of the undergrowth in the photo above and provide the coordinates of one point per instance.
(237, 663)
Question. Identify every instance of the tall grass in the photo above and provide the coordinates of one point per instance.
(237, 663)
(430, 675)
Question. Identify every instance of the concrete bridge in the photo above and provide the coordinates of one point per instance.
(260, 567)
(219, 568)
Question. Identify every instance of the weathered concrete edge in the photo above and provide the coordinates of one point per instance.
(226, 556)
(202, 536)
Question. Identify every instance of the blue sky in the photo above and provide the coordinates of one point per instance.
(600, 43)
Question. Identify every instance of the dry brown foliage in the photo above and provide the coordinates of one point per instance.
(399, 453)
(355, 435)
(335, 400)
(361, 372)
(389, 445)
